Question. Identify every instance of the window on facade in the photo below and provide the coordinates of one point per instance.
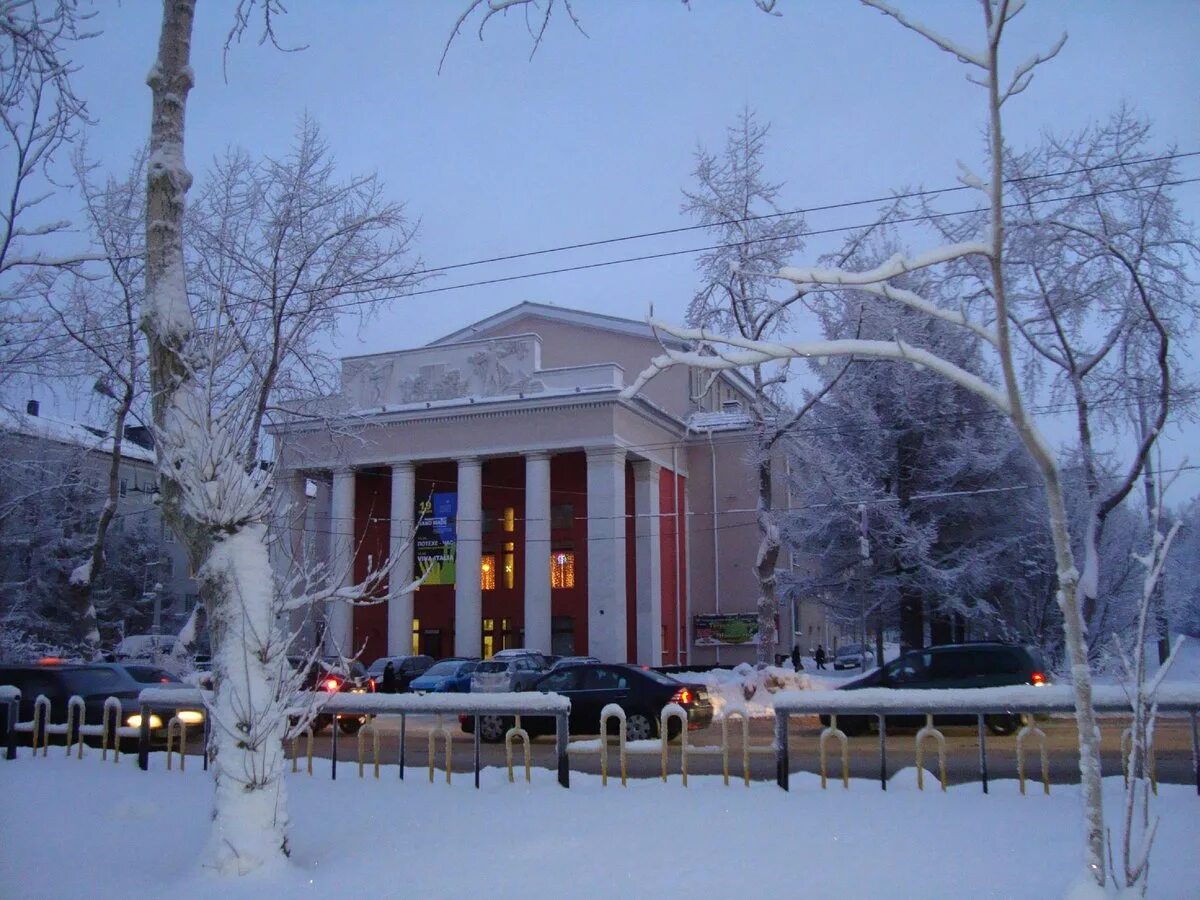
(489, 521)
(510, 518)
(506, 641)
(489, 638)
(562, 516)
(562, 569)
(416, 636)
(124, 487)
(510, 565)
(487, 572)
(168, 535)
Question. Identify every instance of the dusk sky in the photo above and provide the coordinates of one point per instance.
(593, 137)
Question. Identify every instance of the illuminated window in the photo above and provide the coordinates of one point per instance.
(510, 518)
(416, 637)
(489, 639)
(510, 565)
(562, 569)
(487, 572)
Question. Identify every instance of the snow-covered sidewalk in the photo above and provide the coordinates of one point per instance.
(72, 828)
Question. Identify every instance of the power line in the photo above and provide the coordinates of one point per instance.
(245, 300)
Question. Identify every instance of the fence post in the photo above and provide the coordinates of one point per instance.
(983, 773)
(476, 749)
(781, 749)
(882, 751)
(560, 748)
(403, 724)
(1195, 751)
(13, 712)
(333, 727)
(1028, 729)
(76, 716)
(144, 739)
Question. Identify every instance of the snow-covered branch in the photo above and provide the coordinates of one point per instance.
(745, 352)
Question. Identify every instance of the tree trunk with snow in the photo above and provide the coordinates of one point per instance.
(212, 502)
(737, 351)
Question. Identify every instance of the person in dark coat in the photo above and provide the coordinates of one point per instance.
(796, 664)
(820, 656)
(387, 684)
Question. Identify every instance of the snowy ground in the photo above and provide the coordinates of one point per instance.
(70, 828)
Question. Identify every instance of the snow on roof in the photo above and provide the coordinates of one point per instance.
(719, 421)
(558, 313)
(72, 434)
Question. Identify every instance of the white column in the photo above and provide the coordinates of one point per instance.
(537, 551)
(468, 594)
(606, 554)
(648, 559)
(400, 603)
(290, 514)
(339, 617)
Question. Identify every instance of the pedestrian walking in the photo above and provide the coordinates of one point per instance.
(796, 663)
(387, 684)
(820, 657)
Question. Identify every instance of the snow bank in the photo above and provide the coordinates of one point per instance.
(138, 834)
(749, 690)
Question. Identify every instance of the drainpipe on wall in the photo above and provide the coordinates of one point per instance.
(716, 541)
(678, 548)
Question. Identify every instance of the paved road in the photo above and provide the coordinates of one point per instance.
(1172, 740)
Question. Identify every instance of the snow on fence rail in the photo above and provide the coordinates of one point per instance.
(1021, 701)
(1018, 700)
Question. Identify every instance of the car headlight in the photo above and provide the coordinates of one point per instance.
(135, 721)
(190, 716)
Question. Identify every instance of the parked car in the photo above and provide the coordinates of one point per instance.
(543, 660)
(970, 665)
(335, 674)
(444, 673)
(509, 673)
(851, 656)
(95, 683)
(405, 668)
(590, 687)
(562, 661)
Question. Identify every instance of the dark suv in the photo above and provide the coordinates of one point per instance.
(970, 665)
(94, 683)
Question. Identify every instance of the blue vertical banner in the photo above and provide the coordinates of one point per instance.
(437, 538)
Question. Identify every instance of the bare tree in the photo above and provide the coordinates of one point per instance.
(738, 204)
(39, 116)
(1097, 263)
(285, 245)
(1137, 833)
(1005, 394)
(98, 312)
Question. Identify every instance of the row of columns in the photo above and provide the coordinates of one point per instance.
(606, 556)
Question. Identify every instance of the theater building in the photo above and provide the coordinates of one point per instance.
(548, 511)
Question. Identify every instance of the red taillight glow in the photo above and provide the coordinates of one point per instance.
(371, 682)
(50, 661)
(682, 696)
(1037, 679)
(331, 685)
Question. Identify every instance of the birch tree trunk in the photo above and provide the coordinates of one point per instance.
(1068, 574)
(212, 501)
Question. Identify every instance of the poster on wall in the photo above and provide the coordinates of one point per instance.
(437, 545)
(732, 628)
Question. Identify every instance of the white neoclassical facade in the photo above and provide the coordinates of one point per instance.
(548, 511)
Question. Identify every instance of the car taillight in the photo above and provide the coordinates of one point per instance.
(683, 696)
(331, 685)
(371, 683)
(1037, 679)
